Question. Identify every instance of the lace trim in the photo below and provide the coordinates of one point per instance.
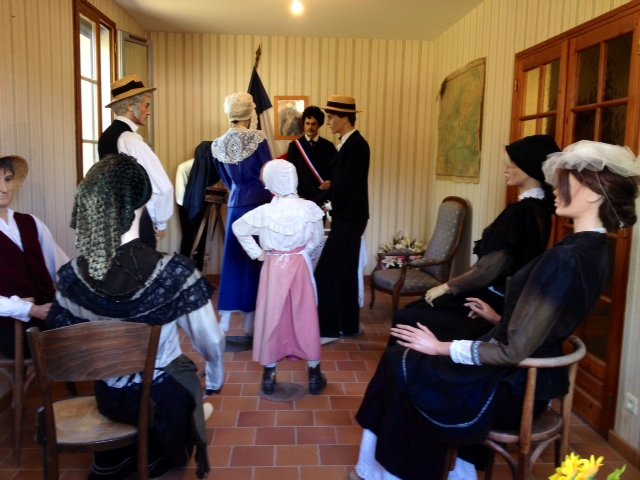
(236, 145)
(475, 354)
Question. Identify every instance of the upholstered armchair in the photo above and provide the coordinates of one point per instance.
(416, 276)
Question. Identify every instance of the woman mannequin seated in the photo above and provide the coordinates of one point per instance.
(118, 277)
(427, 393)
(517, 236)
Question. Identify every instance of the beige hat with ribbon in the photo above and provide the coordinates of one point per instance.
(20, 168)
(126, 87)
(341, 103)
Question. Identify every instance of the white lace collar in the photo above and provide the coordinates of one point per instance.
(236, 145)
(533, 193)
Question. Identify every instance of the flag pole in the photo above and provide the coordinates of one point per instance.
(258, 54)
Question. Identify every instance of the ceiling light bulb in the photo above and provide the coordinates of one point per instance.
(296, 7)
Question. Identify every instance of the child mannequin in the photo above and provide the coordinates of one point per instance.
(286, 322)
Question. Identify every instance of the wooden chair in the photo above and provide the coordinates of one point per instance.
(551, 426)
(85, 352)
(417, 276)
(15, 369)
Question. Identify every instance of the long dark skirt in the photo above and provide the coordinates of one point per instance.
(448, 319)
(171, 441)
(408, 446)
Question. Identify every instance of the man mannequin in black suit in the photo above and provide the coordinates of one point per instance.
(348, 203)
(314, 178)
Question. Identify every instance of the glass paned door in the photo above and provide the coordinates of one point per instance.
(598, 98)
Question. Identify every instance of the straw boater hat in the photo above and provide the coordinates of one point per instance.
(20, 167)
(341, 103)
(126, 87)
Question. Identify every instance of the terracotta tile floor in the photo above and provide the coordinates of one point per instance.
(314, 438)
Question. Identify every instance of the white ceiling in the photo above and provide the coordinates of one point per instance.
(381, 19)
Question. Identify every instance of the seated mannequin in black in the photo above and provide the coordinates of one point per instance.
(427, 393)
(518, 235)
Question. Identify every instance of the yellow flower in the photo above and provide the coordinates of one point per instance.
(589, 468)
(575, 468)
(569, 468)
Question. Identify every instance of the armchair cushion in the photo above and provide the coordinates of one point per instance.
(415, 280)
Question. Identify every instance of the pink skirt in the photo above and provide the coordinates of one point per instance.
(286, 322)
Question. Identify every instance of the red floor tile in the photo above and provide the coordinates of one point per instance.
(313, 438)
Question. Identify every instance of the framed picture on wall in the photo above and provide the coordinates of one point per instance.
(288, 116)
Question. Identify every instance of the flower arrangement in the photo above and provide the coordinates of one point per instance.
(401, 244)
(402, 241)
(576, 468)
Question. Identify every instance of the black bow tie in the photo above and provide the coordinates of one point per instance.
(312, 143)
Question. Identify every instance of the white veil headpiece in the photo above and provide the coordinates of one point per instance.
(590, 155)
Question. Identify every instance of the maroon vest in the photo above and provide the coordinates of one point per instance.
(24, 273)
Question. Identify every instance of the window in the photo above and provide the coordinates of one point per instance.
(95, 70)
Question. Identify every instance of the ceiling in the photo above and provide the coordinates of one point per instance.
(380, 19)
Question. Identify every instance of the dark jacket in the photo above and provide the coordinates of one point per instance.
(321, 156)
(349, 193)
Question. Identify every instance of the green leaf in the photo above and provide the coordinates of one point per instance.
(617, 473)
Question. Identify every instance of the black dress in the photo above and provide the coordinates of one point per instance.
(417, 403)
(520, 233)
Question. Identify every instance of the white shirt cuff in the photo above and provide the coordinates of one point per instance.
(460, 352)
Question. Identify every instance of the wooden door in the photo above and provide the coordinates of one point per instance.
(595, 71)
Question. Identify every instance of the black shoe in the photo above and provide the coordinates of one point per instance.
(210, 391)
(269, 380)
(317, 380)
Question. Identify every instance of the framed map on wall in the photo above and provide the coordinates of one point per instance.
(460, 124)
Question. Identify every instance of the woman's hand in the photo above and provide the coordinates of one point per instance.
(40, 311)
(480, 309)
(419, 339)
(436, 292)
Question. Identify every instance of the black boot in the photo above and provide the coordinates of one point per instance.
(269, 380)
(317, 380)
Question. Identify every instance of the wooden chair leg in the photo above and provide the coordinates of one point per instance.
(395, 302)
(488, 470)
(373, 294)
(18, 402)
(524, 467)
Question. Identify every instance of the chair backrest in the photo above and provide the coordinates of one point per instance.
(93, 351)
(569, 360)
(446, 237)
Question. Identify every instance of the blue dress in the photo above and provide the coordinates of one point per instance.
(239, 156)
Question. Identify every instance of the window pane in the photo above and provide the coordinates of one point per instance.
(531, 92)
(551, 82)
(585, 126)
(89, 156)
(549, 126)
(614, 121)
(87, 49)
(89, 113)
(105, 75)
(588, 81)
(528, 128)
(616, 83)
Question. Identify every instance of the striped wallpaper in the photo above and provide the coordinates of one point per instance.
(395, 82)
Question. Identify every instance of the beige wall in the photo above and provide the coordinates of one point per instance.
(389, 79)
(395, 82)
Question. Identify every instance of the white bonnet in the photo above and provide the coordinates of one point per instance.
(239, 106)
(280, 177)
(590, 155)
